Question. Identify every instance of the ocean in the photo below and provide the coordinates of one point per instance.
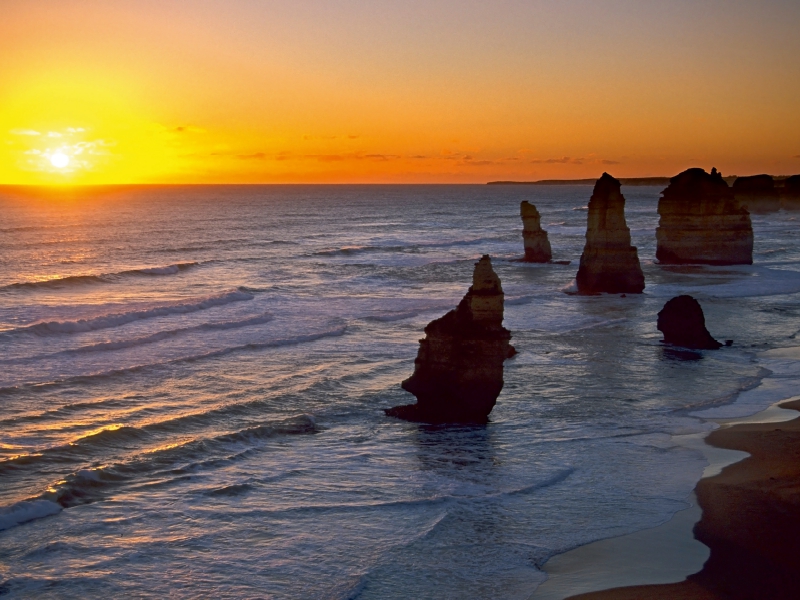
(193, 378)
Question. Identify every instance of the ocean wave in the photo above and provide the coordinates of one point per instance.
(409, 247)
(389, 317)
(351, 250)
(87, 485)
(149, 339)
(61, 282)
(27, 510)
(275, 343)
(108, 321)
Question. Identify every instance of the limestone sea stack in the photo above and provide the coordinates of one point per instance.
(683, 324)
(537, 246)
(790, 195)
(458, 372)
(757, 194)
(702, 223)
(609, 263)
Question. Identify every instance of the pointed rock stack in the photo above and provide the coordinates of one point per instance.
(458, 372)
(790, 195)
(609, 263)
(702, 223)
(537, 246)
(757, 194)
(683, 324)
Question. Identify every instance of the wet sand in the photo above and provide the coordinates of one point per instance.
(750, 520)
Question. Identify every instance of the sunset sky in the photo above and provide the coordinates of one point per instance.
(251, 91)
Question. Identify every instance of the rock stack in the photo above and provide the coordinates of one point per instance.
(537, 246)
(702, 223)
(790, 195)
(757, 194)
(609, 263)
(458, 372)
(683, 324)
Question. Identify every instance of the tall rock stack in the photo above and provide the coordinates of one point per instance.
(609, 263)
(790, 195)
(537, 246)
(702, 223)
(757, 194)
(458, 372)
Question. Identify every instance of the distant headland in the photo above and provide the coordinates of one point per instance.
(664, 181)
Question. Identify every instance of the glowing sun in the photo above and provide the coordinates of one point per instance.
(59, 160)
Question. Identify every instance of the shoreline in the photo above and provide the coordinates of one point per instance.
(665, 554)
(750, 518)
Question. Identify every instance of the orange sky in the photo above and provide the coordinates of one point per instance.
(202, 91)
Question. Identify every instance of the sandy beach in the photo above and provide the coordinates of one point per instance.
(750, 520)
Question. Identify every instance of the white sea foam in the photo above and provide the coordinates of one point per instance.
(25, 511)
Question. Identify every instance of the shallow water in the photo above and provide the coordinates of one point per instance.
(192, 382)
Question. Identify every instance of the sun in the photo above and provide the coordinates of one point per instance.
(59, 160)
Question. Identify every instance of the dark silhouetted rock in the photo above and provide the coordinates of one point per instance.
(702, 223)
(683, 324)
(757, 194)
(458, 372)
(537, 246)
(790, 194)
(609, 263)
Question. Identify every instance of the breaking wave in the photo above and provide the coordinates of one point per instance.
(116, 319)
(61, 282)
(87, 485)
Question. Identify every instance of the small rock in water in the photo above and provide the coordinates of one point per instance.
(458, 372)
(683, 324)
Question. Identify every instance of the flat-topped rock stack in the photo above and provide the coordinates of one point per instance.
(458, 372)
(609, 263)
(790, 194)
(757, 194)
(537, 246)
(702, 223)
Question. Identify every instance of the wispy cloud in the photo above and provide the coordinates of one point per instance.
(568, 160)
(564, 160)
(188, 129)
(349, 136)
(24, 132)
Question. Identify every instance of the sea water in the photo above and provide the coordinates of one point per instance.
(192, 385)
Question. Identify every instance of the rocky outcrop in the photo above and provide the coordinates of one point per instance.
(537, 246)
(609, 263)
(702, 223)
(790, 194)
(683, 324)
(458, 372)
(757, 194)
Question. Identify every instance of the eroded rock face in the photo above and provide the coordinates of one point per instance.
(757, 194)
(458, 372)
(537, 246)
(702, 223)
(790, 194)
(609, 263)
(683, 324)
